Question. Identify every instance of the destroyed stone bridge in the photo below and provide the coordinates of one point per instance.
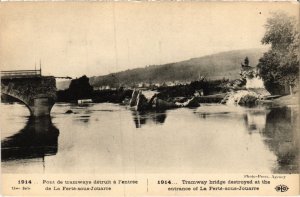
(37, 92)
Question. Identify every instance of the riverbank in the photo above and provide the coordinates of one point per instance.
(287, 100)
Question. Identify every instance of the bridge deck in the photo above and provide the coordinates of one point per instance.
(21, 74)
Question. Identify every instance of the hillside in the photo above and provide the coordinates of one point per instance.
(215, 66)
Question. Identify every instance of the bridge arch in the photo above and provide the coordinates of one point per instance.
(37, 93)
(18, 99)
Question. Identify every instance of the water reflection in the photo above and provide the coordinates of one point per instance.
(36, 140)
(278, 127)
(144, 117)
(282, 138)
(210, 139)
(84, 118)
(255, 120)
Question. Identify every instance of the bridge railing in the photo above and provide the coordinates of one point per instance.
(21, 73)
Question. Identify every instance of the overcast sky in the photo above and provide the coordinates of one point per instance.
(72, 39)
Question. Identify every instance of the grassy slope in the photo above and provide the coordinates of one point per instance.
(216, 66)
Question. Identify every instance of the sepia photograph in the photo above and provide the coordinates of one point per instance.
(149, 87)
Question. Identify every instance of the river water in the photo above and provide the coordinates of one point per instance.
(109, 138)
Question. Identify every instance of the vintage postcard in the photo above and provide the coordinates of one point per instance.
(149, 98)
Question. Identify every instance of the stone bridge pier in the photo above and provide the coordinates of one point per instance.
(38, 93)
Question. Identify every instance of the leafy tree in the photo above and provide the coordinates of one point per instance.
(268, 65)
(246, 61)
(280, 65)
(280, 29)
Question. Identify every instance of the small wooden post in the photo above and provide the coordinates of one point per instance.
(40, 67)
